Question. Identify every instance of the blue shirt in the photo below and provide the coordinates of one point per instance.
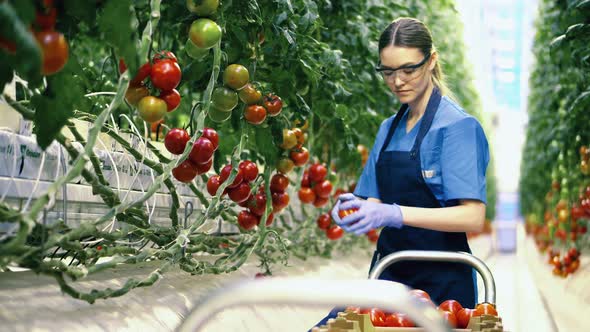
(454, 155)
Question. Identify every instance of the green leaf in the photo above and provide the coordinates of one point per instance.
(119, 28)
(264, 139)
(83, 10)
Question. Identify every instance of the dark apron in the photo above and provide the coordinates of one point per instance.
(400, 181)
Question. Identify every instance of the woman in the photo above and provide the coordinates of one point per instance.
(425, 180)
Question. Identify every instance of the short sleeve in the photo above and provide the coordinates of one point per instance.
(464, 160)
(367, 183)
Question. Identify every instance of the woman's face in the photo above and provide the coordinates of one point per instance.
(402, 74)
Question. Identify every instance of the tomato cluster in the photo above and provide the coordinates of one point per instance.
(567, 265)
(54, 46)
(200, 158)
(315, 188)
(333, 231)
(452, 311)
(164, 74)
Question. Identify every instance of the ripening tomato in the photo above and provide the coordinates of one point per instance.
(334, 232)
(236, 76)
(205, 33)
(172, 99)
(185, 172)
(202, 7)
(344, 213)
(240, 193)
(211, 135)
(134, 94)
(324, 221)
(485, 309)
(451, 305)
(299, 135)
(464, 316)
(300, 157)
(54, 51)
(255, 114)
(320, 201)
(151, 109)
(285, 165)
(273, 104)
(224, 99)
(225, 173)
(306, 195)
(249, 95)
(280, 200)
(249, 170)
(289, 139)
(248, 220)
(213, 184)
(322, 189)
(165, 75)
(202, 151)
(279, 183)
(176, 139)
(317, 172)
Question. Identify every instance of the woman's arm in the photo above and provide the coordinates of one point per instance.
(469, 216)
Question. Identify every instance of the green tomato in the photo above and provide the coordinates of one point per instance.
(194, 51)
(224, 99)
(152, 109)
(204, 8)
(236, 76)
(205, 33)
(218, 115)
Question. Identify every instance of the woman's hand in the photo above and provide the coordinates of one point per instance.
(369, 215)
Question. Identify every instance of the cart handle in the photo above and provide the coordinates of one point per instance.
(440, 256)
(387, 295)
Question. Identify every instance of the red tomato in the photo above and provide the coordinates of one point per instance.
(323, 189)
(300, 157)
(240, 193)
(420, 293)
(204, 168)
(255, 114)
(176, 139)
(306, 195)
(185, 172)
(449, 318)
(463, 317)
(305, 182)
(451, 305)
(391, 320)
(211, 134)
(202, 151)
(334, 232)
(320, 201)
(279, 183)
(249, 170)
(317, 172)
(54, 51)
(377, 317)
(273, 104)
(485, 309)
(172, 99)
(280, 200)
(142, 73)
(373, 235)
(213, 184)
(165, 75)
(247, 220)
(404, 321)
(224, 175)
(164, 55)
(257, 204)
(324, 221)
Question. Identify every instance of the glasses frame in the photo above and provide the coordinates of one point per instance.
(380, 69)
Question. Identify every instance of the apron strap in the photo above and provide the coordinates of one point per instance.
(393, 126)
(431, 109)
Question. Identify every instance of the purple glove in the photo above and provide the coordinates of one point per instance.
(336, 208)
(370, 215)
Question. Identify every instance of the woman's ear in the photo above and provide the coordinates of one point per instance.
(433, 60)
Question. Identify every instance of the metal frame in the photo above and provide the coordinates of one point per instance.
(441, 256)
